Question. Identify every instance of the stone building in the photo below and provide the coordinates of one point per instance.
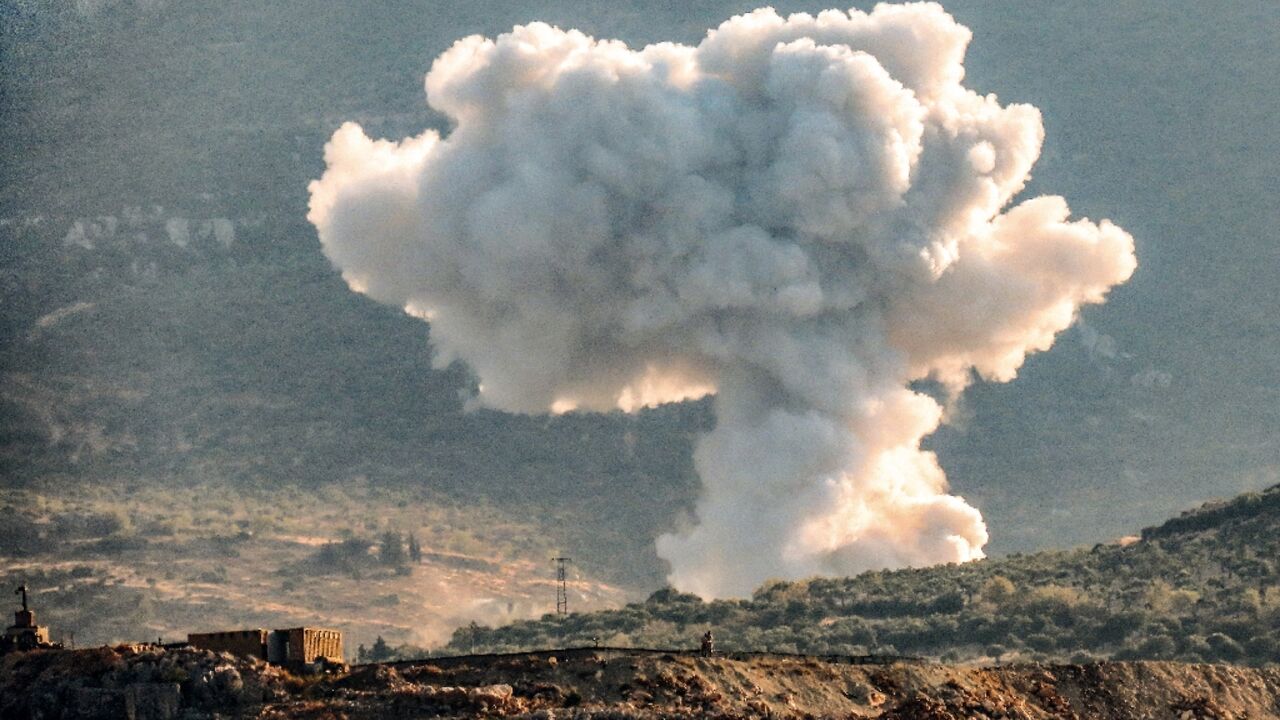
(290, 647)
(251, 643)
(304, 645)
(25, 634)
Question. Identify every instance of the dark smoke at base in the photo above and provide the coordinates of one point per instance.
(801, 215)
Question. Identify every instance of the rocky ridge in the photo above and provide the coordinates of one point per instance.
(150, 682)
(139, 682)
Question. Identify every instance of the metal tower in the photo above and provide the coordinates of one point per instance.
(562, 592)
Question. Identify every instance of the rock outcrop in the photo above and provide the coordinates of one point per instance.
(138, 682)
(154, 684)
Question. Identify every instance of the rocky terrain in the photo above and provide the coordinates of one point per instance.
(148, 682)
(135, 681)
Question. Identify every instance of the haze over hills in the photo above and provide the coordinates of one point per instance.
(168, 317)
(1199, 587)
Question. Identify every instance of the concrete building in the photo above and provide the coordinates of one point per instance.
(291, 647)
(304, 645)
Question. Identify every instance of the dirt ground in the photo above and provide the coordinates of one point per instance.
(602, 683)
(147, 681)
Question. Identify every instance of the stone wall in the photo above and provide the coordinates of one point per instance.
(249, 643)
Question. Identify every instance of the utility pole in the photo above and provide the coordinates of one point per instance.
(562, 592)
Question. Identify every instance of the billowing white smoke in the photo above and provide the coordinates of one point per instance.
(801, 215)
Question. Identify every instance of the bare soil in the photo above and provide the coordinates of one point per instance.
(607, 683)
(597, 683)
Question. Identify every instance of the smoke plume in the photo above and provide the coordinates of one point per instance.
(801, 215)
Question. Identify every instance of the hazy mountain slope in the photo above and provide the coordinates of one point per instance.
(132, 562)
(187, 328)
(1199, 587)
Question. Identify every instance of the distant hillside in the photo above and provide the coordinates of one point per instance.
(166, 316)
(1200, 587)
(132, 562)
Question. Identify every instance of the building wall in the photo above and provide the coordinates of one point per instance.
(324, 644)
(251, 643)
(308, 644)
(285, 647)
(25, 633)
(278, 647)
(27, 636)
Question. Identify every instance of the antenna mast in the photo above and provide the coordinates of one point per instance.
(562, 592)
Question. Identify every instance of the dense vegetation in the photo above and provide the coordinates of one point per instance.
(1201, 587)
